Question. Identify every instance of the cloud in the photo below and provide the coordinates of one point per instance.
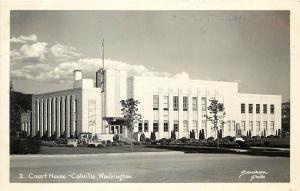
(37, 50)
(30, 52)
(32, 60)
(182, 75)
(24, 39)
(63, 72)
(63, 53)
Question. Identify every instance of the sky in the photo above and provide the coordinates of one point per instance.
(248, 47)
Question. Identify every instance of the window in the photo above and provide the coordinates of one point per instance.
(194, 125)
(265, 108)
(250, 108)
(185, 103)
(272, 109)
(166, 126)
(242, 108)
(229, 125)
(243, 125)
(175, 103)
(203, 103)
(250, 124)
(257, 125)
(265, 126)
(203, 125)
(92, 114)
(166, 102)
(185, 126)
(155, 126)
(175, 126)
(272, 125)
(233, 125)
(155, 102)
(140, 126)
(195, 104)
(146, 128)
(257, 108)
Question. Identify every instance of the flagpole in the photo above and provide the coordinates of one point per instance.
(103, 54)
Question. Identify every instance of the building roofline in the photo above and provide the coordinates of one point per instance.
(257, 95)
(190, 80)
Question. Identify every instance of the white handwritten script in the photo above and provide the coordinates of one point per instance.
(78, 176)
(254, 174)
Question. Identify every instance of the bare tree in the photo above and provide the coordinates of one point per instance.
(216, 115)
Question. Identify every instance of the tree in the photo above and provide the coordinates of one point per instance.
(192, 134)
(18, 103)
(173, 135)
(285, 118)
(216, 115)
(143, 137)
(201, 134)
(152, 136)
(130, 114)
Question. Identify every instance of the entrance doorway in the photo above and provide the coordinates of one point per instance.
(116, 129)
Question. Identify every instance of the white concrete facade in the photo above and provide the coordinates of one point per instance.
(68, 113)
(118, 85)
(166, 104)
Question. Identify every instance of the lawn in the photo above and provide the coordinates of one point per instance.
(87, 150)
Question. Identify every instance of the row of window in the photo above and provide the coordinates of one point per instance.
(231, 125)
(257, 125)
(176, 103)
(166, 126)
(257, 107)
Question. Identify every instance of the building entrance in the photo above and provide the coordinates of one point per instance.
(116, 129)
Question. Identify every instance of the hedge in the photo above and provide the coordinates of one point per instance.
(25, 146)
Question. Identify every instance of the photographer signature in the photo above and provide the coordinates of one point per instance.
(254, 174)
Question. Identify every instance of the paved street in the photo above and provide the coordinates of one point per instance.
(148, 167)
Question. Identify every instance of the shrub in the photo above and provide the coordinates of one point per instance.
(108, 143)
(201, 134)
(152, 136)
(142, 137)
(25, 146)
(116, 138)
(148, 140)
(163, 141)
(267, 143)
(126, 143)
(192, 134)
(100, 146)
(184, 140)
(137, 143)
(173, 135)
(135, 136)
(115, 144)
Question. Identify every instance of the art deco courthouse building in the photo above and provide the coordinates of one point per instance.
(166, 104)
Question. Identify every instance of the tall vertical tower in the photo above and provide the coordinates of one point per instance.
(100, 83)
